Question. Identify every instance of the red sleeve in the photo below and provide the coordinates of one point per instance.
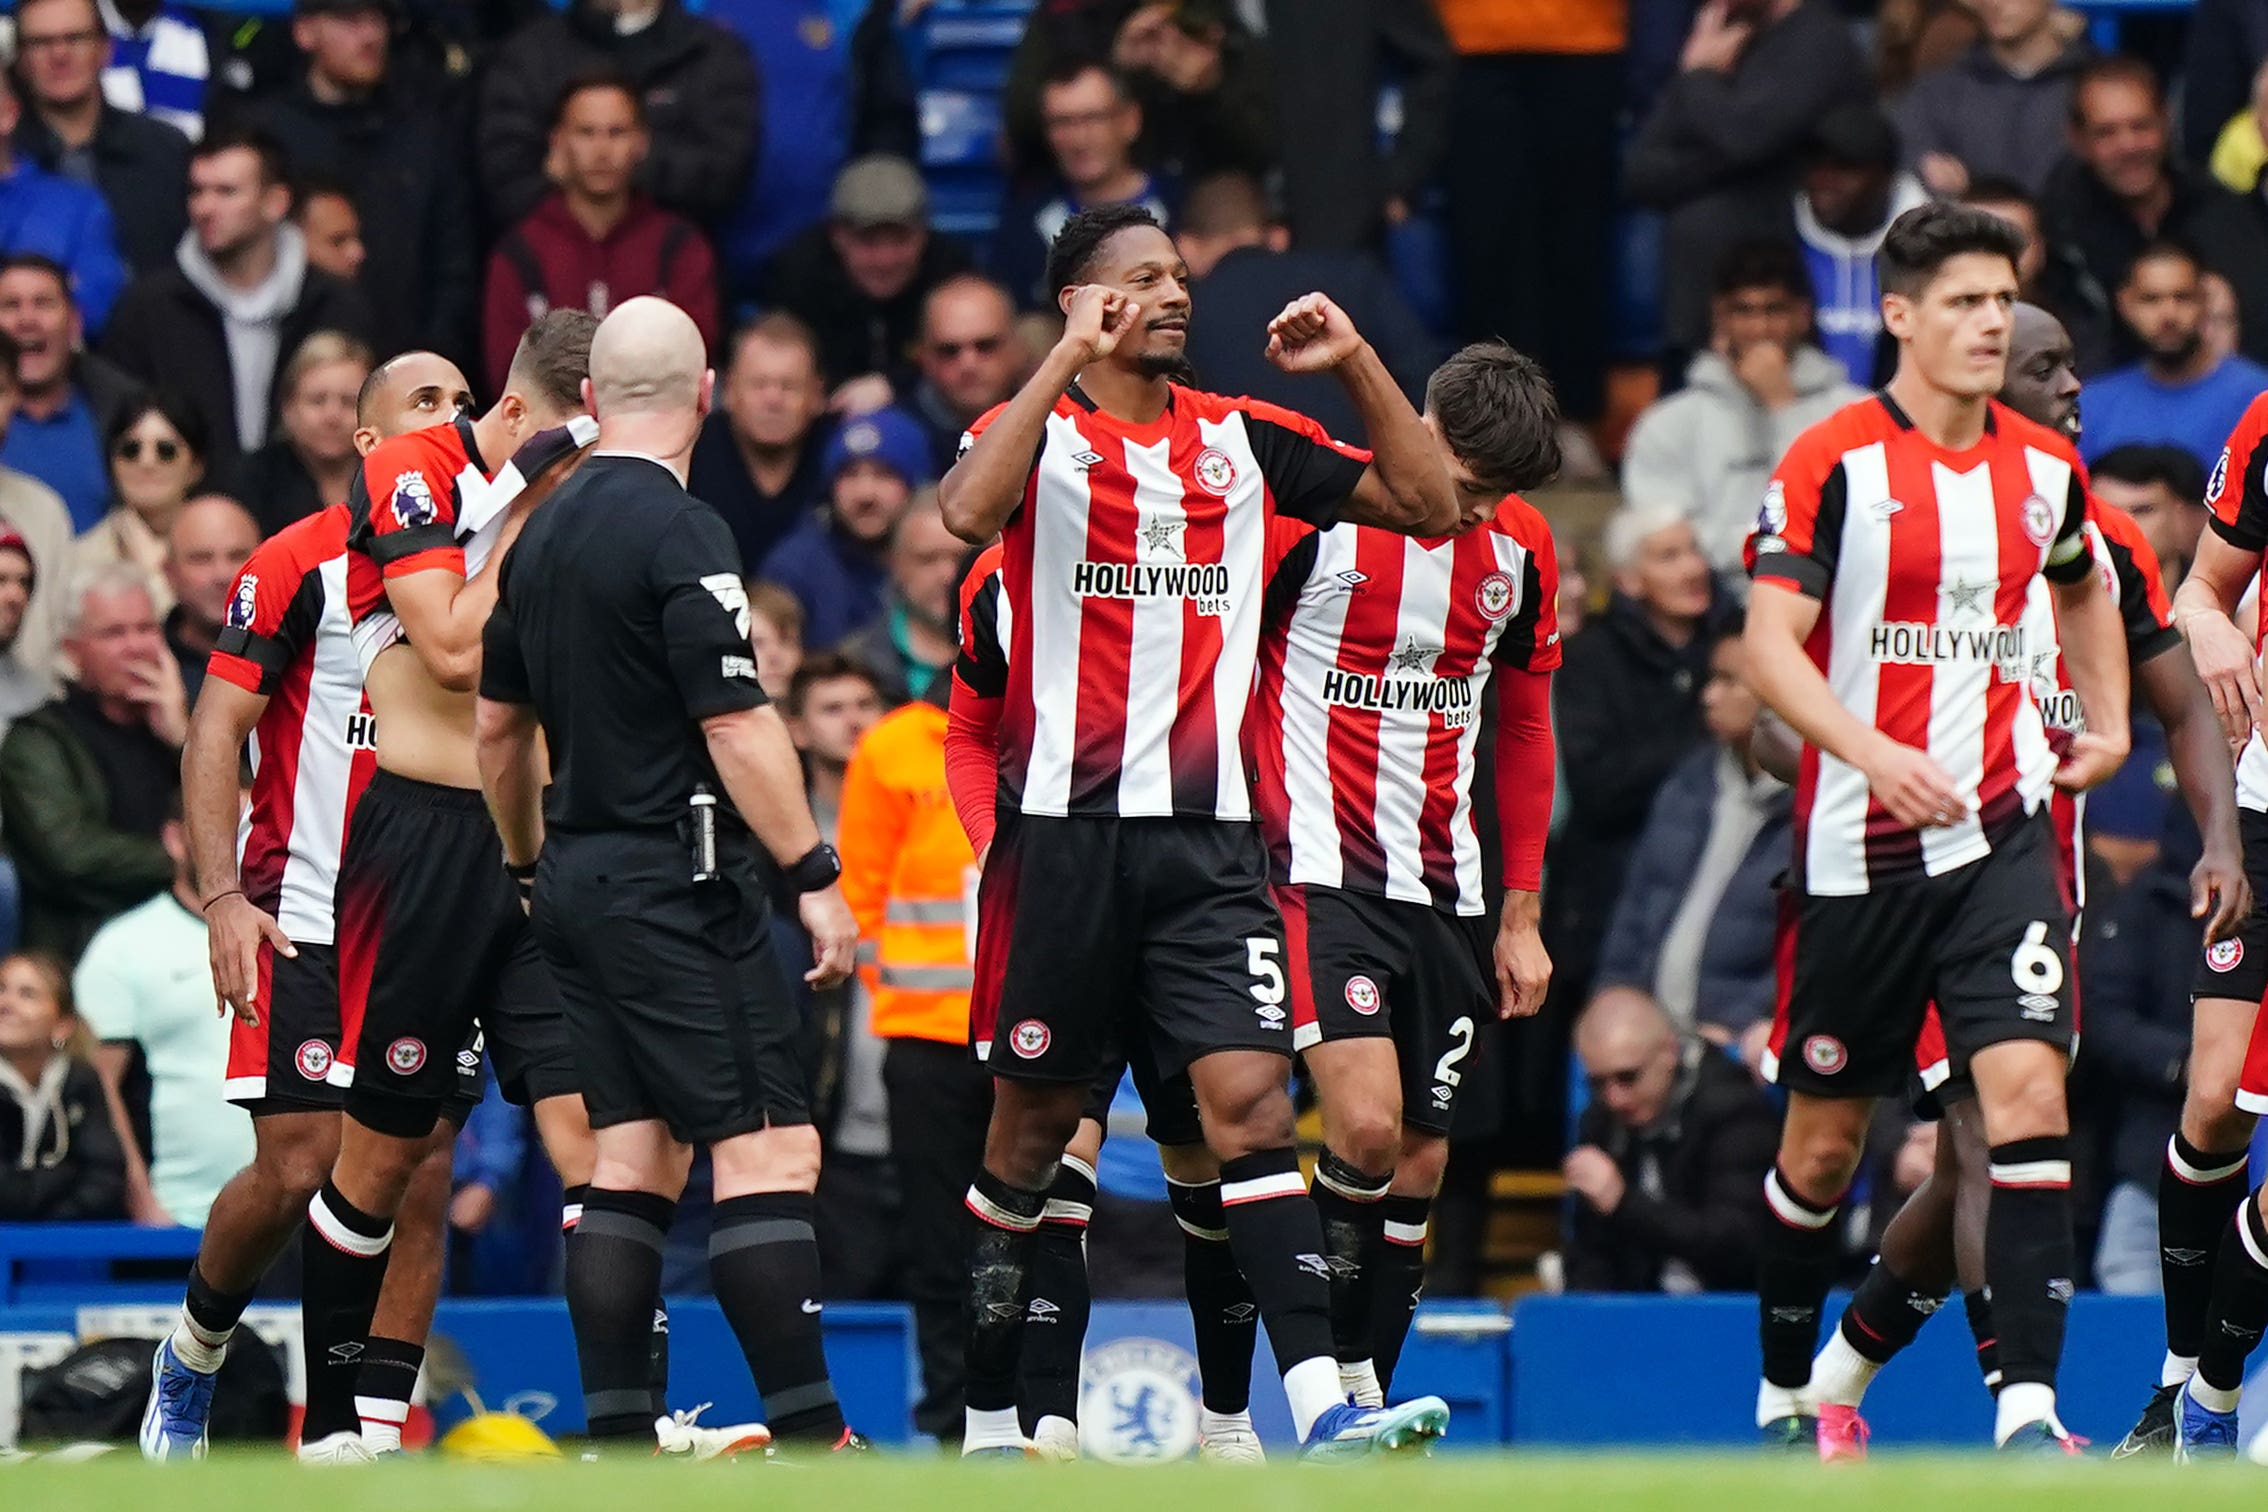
(408, 489)
(972, 761)
(2238, 493)
(503, 317)
(2136, 581)
(1309, 474)
(1530, 641)
(1799, 530)
(977, 427)
(1523, 774)
(273, 609)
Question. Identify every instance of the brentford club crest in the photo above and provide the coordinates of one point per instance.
(1494, 595)
(2224, 955)
(1362, 995)
(1825, 1054)
(313, 1060)
(1030, 1039)
(1216, 474)
(2039, 520)
(406, 1056)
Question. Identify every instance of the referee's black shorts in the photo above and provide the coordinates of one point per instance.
(675, 1001)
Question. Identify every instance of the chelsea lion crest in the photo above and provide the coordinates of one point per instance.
(1138, 1402)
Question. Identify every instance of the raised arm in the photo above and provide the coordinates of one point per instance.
(1406, 487)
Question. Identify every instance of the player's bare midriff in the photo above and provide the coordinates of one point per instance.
(425, 731)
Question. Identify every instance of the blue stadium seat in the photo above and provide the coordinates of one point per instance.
(43, 1262)
(959, 55)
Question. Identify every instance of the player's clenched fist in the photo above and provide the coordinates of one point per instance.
(1098, 318)
(1312, 335)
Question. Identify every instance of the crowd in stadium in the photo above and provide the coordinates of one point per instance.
(211, 229)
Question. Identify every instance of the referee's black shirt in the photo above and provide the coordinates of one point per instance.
(621, 617)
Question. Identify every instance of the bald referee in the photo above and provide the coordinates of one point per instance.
(620, 626)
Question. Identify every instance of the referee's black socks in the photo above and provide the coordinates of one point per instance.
(614, 1267)
(343, 1258)
(764, 1266)
(570, 1214)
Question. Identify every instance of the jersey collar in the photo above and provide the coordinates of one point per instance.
(1905, 422)
(472, 447)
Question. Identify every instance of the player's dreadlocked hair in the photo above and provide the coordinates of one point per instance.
(1496, 410)
(1072, 254)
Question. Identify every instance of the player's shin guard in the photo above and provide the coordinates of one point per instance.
(1278, 1243)
(1347, 1200)
(1795, 1266)
(2029, 1262)
(614, 1266)
(1007, 1220)
(1400, 1280)
(2238, 1310)
(1884, 1316)
(1979, 1309)
(2197, 1191)
(343, 1262)
(1222, 1313)
(1055, 1317)
(764, 1265)
(383, 1388)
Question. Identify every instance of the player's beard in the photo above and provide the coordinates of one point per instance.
(1173, 366)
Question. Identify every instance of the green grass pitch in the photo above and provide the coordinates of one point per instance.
(1497, 1483)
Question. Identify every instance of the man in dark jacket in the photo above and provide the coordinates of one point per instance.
(139, 163)
(696, 78)
(1667, 1173)
(757, 462)
(2122, 188)
(351, 118)
(1999, 110)
(85, 781)
(1721, 150)
(218, 326)
(1244, 278)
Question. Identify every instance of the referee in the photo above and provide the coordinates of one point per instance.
(621, 626)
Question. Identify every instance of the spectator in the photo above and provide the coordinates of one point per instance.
(85, 780)
(775, 633)
(1205, 88)
(59, 1152)
(1668, 1166)
(757, 461)
(1092, 120)
(916, 637)
(1534, 125)
(860, 278)
(160, 62)
(66, 397)
(139, 164)
(831, 702)
(1244, 276)
(1850, 192)
(2179, 391)
(1723, 146)
(145, 989)
(906, 867)
(349, 116)
(1696, 921)
(2121, 189)
(970, 358)
(1998, 111)
(1628, 710)
(157, 449)
(31, 510)
(325, 215)
(310, 460)
(695, 79)
(834, 561)
(813, 91)
(2227, 42)
(596, 240)
(2163, 488)
(240, 298)
(1707, 450)
(2054, 278)
(2224, 332)
(1328, 56)
(210, 540)
(68, 221)
(25, 683)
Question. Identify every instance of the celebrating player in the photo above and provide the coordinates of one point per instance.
(1944, 1220)
(284, 677)
(1134, 514)
(1893, 561)
(1373, 664)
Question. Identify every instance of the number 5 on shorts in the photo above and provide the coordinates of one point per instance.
(1267, 987)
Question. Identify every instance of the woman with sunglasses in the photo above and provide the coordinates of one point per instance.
(156, 447)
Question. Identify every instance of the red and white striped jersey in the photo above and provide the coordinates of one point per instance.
(1374, 659)
(287, 638)
(1131, 583)
(1924, 562)
(2238, 498)
(407, 507)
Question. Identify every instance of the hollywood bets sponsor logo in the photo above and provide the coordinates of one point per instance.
(1206, 582)
(1916, 644)
(2224, 955)
(1406, 687)
(1825, 1054)
(1030, 1039)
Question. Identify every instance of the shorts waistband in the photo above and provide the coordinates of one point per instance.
(392, 787)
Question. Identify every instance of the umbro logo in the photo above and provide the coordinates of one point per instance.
(1042, 1308)
(1883, 509)
(1794, 1314)
(1348, 580)
(2184, 1257)
(346, 1354)
(1086, 459)
(1238, 1312)
(1314, 1265)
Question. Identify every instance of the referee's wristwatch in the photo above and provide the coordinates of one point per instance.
(819, 868)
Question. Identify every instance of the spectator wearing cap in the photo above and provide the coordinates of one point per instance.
(42, 212)
(138, 163)
(25, 682)
(758, 459)
(695, 79)
(65, 397)
(1725, 141)
(2180, 392)
(916, 637)
(160, 63)
(33, 513)
(597, 239)
(351, 117)
(970, 358)
(859, 279)
(835, 562)
(1998, 111)
(1850, 191)
(1092, 121)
